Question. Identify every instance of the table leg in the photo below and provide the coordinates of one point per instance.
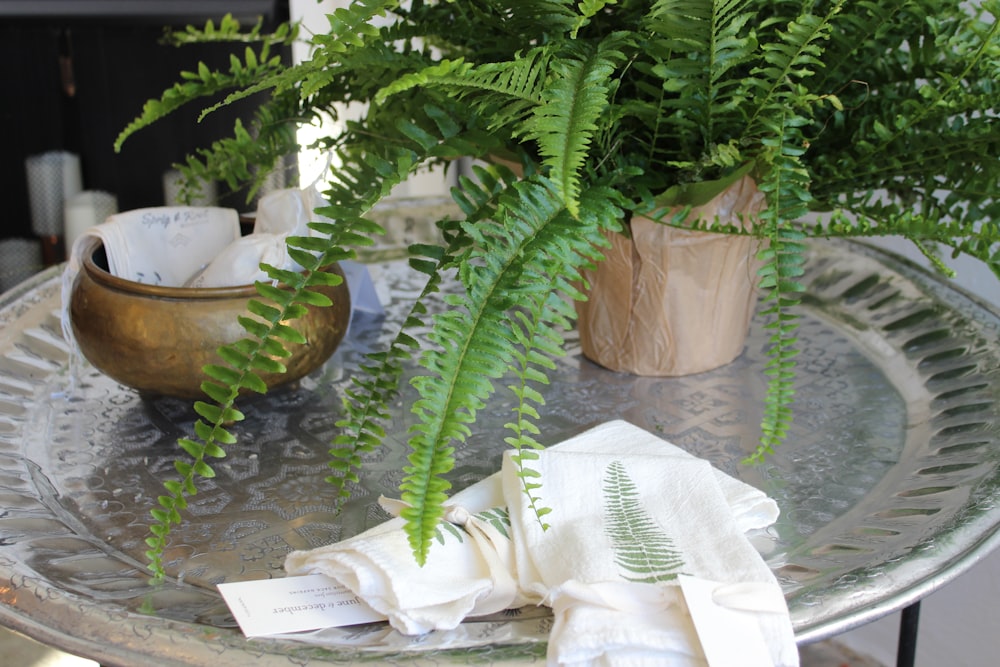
(906, 652)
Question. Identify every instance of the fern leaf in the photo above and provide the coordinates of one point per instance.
(351, 25)
(786, 188)
(790, 55)
(709, 40)
(566, 120)
(364, 404)
(474, 341)
(644, 552)
(206, 83)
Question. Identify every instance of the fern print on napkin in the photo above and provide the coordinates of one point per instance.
(497, 517)
(630, 513)
(642, 549)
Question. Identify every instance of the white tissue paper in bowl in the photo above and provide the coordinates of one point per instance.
(163, 245)
(280, 214)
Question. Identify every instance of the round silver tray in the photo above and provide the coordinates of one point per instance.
(888, 483)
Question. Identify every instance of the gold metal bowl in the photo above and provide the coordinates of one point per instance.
(157, 339)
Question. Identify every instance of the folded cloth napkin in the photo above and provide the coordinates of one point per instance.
(630, 515)
(469, 571)
(280, 214)
(162, 245)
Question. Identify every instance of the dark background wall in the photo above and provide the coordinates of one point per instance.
(74, 73)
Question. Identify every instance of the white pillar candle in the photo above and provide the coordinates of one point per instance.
(53, 177)
(86, 209)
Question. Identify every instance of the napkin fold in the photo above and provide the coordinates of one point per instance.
(280, 214)
(624, 527)
(161, 245)
(469, 571)
(631, 516)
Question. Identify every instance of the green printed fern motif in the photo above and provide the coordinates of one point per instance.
(642, 549)
(451, 529)
(498, 517)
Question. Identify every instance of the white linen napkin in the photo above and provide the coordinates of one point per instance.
(608, 610)
(280, 214)
(469, 571)
(631, 513)
(157, 246)
(162, 245)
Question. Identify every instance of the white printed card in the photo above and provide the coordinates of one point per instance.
(294, 604)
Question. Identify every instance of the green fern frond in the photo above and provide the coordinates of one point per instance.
(237, 160)
(791, 54)
(474, 342)
(642, 549)
(539, 325)
(552, 100)
(365, 404)
(869, 21)
(230, 30)
(707, 41)
(919, 141)
(373, 388)
(353, 191)
(880, 113)
(206, 83)
(786, 187)
(527, 361)
(353, 25)
(588, 10)
(506, 91)
(471, 349)
(565, 122)
(965, 235)
(241, 363)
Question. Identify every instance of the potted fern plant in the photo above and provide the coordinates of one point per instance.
(881, 117)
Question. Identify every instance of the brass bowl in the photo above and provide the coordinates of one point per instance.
(157, 339)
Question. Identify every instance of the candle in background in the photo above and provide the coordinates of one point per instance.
(19, 260)
(206, 196)
(53, 177)
(84, 210)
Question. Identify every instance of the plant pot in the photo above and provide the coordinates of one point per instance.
(669, 301)
(157, 339)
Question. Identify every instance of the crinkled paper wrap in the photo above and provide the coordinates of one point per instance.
(670, 301)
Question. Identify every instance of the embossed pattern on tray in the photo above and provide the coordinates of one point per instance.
(888, 483)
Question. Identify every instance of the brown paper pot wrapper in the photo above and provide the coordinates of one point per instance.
(674, 302)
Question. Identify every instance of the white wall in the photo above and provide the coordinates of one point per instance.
(313, 165)
(958, 623)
